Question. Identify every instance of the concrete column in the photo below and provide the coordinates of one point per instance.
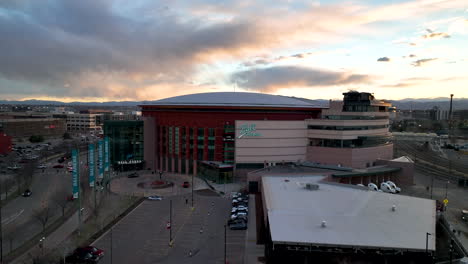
(187, 166)
(179, 165)
(167, 162)
(173, 165)
(194, 167)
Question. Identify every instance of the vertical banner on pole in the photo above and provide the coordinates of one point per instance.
(101, 159)
(106, 154)
(91, 167)
(75, 174)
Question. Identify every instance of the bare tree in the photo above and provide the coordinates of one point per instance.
(10, 237)
(60, 198)
(7, 184)
(42, 215)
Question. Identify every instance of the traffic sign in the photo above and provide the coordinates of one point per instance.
(445, 201)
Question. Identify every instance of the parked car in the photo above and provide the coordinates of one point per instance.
(464, 215)
(239, 209)
(81, 257)
(41, 166)
(234, 221)
(235, 215)
(27, 193)
(186, 184)
(385, 187)
(94, 251)
(373, 187)
(14, 167)
(58, 166)
(393, 185)
(155, 198)
(238, 226)
(133, 175)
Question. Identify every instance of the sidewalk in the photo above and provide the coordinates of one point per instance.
(62, 240)
(252, 250)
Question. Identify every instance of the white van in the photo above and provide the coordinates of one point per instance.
(373, 187)
(393, 185)
(385, 187)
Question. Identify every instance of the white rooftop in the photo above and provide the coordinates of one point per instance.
(234, 99)
(353, 215)
(403, 159)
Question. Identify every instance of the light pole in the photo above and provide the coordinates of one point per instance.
(1, 227)
(225, 251)
(432, 184)
(170, 222)
(111, 244)
(41, 241)
(192, 191)
(446, 189)
(427, 240)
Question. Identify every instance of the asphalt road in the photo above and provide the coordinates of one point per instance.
(19, 223)
(142, 236)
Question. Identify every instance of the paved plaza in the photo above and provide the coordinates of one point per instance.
(198, 235)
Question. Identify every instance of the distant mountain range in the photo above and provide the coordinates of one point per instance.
(404, 104)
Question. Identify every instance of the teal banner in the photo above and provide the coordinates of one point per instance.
(75, 174)
(101, 159)
(91, 167)
(106, 154)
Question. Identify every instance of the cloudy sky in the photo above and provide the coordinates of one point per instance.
(102, 50)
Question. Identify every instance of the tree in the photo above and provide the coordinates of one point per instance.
(66, 135)
(42, 215)
(36, 138)
(6, 185)
(60, 199)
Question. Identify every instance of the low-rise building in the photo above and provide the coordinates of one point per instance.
(5, 143)
(82, 122)
(22, 128)
(353, 133)
(125, 143)
(308, 220)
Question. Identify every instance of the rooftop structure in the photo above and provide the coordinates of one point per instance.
(227, 99)
(305, 211)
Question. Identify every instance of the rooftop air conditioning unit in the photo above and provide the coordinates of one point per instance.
(312, 186)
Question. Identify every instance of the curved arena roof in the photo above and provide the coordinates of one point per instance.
(234, 99)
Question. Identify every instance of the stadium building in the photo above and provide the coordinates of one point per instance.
(221, 134)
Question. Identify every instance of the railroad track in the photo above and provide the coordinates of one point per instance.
(429, 156)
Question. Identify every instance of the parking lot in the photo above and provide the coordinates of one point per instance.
(198, 235)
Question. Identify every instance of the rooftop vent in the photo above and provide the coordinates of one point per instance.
(324, 223)
(312, 186)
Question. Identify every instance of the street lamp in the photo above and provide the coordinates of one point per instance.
(446, 189)
(225, 251)
(427, 240)
(41, 241)
(192, 191)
